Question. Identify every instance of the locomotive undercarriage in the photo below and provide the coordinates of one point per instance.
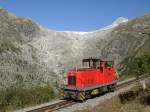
(87, 94)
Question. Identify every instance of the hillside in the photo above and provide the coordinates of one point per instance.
(32, 55)
(129, 41)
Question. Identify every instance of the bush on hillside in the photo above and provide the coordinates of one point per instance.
(12, 98)
(138, 65)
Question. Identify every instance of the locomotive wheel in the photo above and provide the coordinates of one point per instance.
(111, 88)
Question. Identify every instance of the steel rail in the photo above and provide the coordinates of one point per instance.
(53, 107)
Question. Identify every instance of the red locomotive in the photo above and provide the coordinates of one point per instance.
(94, 78)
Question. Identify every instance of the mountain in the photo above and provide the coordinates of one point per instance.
(32, 55)
(129, 40)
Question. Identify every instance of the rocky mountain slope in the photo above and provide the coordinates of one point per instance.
(129, 40)
(33, 55)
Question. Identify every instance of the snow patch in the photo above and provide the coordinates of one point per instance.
(113, 25)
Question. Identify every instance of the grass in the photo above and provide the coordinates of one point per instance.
(16, 98)
(126, 77)
(114, 105)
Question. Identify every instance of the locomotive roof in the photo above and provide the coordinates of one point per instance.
(95, 60)
(89, 59)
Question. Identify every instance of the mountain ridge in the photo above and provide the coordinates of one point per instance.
(33, 55)
(115, 23)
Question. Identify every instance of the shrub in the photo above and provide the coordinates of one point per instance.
(13, 98)
(137, 65)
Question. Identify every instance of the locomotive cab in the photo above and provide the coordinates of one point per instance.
(96, 63)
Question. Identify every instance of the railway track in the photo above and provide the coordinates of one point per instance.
(64, 103)
(54, 107)
(134, 80)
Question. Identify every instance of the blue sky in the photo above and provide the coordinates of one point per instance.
(76, 15)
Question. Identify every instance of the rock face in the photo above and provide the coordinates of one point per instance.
(129, 40)
(32, 55)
